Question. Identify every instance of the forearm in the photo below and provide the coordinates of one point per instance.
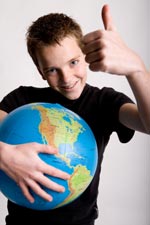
(140, 85)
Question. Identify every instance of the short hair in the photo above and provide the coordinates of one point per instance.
(50, 30)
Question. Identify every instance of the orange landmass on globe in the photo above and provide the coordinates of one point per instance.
(45, 127)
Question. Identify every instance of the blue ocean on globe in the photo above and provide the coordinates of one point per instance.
(63, 129)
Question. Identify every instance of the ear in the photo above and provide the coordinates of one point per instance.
(43, 77)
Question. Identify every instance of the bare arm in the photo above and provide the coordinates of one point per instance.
(138, 117)
(105, 51)
(129, 116)
(3, 114)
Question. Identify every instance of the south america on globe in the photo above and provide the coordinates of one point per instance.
(57, 126)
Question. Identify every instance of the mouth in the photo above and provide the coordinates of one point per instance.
(69, 87)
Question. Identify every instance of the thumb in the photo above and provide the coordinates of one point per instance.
(107, 19)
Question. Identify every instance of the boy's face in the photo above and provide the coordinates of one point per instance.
(64, 67)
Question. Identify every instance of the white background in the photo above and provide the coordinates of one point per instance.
(124, 196)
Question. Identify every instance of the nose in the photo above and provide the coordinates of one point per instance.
(66, 76)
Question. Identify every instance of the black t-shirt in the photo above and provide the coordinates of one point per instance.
(100, 109)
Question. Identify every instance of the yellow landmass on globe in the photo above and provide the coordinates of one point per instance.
(56, 130)
(77, 183)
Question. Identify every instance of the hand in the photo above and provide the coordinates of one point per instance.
(22, 164)
(105, 50)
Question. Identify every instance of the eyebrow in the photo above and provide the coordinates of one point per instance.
(49, 67)
(74, 58)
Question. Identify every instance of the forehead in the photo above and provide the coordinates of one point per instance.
(65, 50)
(65, 43)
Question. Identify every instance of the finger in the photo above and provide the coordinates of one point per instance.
(92, 36)
(42, 148)
(94, 57)
(37, 189)
(52, 171)
(48, 183)
(92, 46)
(26, 192)
(98, 66)
(107, 19)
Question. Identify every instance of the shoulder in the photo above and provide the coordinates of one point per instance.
(28, 92)
(106, 95)
(20, 96)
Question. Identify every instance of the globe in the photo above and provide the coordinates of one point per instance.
(61, 128)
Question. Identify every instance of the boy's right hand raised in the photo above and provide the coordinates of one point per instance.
(22, 164)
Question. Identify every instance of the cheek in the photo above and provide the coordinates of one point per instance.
(82, 71)
(52, 81)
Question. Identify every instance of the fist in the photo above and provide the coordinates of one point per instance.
(105, 50)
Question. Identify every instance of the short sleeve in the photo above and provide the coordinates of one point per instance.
(111, 103)
(14, 99)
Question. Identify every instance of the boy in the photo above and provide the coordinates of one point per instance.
(61, 53)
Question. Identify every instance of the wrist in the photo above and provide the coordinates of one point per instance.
(138, 68)
(139, 74)
(2, 148)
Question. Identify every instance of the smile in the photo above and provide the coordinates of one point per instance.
(69, 87)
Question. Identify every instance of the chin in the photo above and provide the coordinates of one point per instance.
(72, 97)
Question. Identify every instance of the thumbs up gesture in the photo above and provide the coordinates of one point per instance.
(105, 50)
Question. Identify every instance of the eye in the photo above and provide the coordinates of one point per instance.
(74, 62)
(51, 71)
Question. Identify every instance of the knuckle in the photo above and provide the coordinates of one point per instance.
(34, 144)
(99, 33)
(38, 191)
(87, 59)
(54, 172)
(104, 65)
(102, 34)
